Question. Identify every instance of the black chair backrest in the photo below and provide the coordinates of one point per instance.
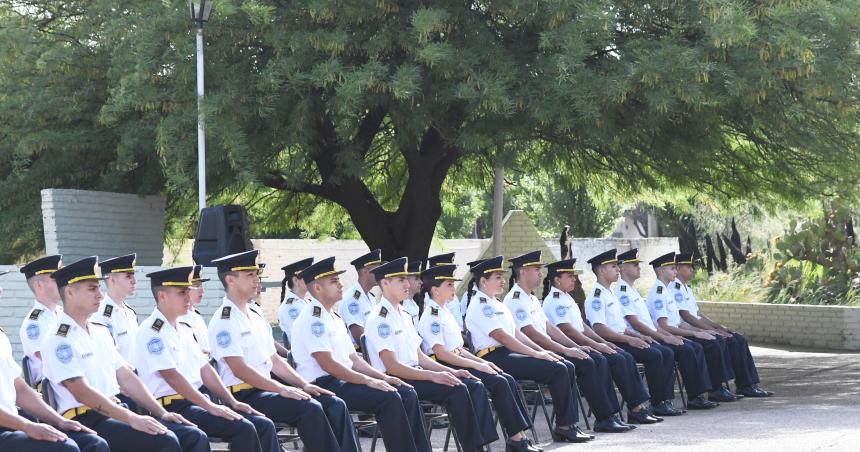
(48, 394)
(290, 360)
(25, 369)
(362, 344)
(287, 344)
(467, 341)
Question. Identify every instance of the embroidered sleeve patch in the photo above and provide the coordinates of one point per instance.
(223, 339)
(64, 353)
(155, 346)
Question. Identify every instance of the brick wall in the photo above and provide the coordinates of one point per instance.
(832, 327)
(81, 223)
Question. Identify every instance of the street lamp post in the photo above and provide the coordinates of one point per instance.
(200, 11)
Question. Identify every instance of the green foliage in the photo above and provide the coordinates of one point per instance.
(742, 284)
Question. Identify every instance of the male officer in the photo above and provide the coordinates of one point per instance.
(324, 355)
(604, 313)
(114, 312)
(245, 351)
(54, 433)
(293, 296)
(358, 302)
(688, 354)
(561, 310)
(457, 309)
(590, 371)
(173, 367)
(413, 278)
(746, 374)
(194, 317)
(40, 320)
(86, 372)
(664, 312)
(394, 347)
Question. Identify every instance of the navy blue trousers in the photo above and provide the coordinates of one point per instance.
(251, 434)
(659, 364)
(622, 366)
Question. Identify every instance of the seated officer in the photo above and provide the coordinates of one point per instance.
(604, 313)
(194, 317)
(746, 374)
(443, 342)
(293, 296)
(664, 312)
(688, 354)
(394, 347)
(496, 339)
(457, 310)
(591, 372)
(245, 351)
(40, 321)
(562, 311)
(86, 372)
(19, 433)
(114, 312)
(414, 280)
(470, 290)
(324, 355)
(173, 367)
(357, 304)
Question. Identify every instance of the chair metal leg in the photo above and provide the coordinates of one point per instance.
(680, 386)
(522, 397)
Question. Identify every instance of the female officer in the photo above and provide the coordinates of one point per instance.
(443, 342)
(496, 339)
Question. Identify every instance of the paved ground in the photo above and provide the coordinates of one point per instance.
(817, 408)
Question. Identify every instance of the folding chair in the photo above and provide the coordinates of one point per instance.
(27, 375)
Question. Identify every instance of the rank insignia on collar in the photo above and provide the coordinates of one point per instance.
(290, 300)
(516, 295)
(677, 285)
(483, 300)
(108, 311)
(63, 330)
(659, 289)
(624, 288)
(35, 314)
(597, 293)
(356, 294)
(556, 294)
(383, 312)
(434, 311)
(225, 313)
(317, 311)
(157, 324)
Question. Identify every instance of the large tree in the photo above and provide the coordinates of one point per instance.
(371, 104)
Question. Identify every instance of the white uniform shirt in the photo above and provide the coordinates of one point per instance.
(38, 324)
(355, 306)
(289, 311)
(437, 326)
(662, 304)
(9, 371)
(632, 304)
(412, 308)
(160, 346)
(318, 330)
(484, 315)
(559, 307)
(122, 323)
(601, 306)
(198, 326)
(456, 308)
(72, 351)
(234, 333)
(683, 295)
(390, 327)
(526, 309)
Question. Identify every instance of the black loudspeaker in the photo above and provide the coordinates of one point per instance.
(222, 230)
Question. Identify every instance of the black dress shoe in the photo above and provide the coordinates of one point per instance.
(609, 425)
(523, 445)
(534, 446)
(754, 391)
(571, 435)
(722, 395)
(617, 418)
(699, 403)
(666, 408)
(642, 417)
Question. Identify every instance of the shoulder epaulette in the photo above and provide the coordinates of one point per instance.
(108, 310)
(225, 312)
(317, 311)
(290, 300)
(623, 288)
(556, 294)
(516, 295)
(597, 292)
(383, 312)
(63, 330)
(483, 300)
(659, 289)
(434, 311)
(34, 314)
(157, 324)
(356, 294)
(677, 285)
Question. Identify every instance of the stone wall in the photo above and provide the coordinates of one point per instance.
(831, 327)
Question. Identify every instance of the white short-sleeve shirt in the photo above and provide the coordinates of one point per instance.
(484, 315)
(632, 304)
(37, 325)
(685, 299)
(236, 333)
(289, 311)
(71, 351)
(559, 307)
(389, 327)
(601, 306)
(437, 326)
(412, 308)
(526, 309)
(317, 329)
(122, 323)
(661, 303)
(355, 306)
(198, 326)
(456, 308)
(161, 346)
(9, 371)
